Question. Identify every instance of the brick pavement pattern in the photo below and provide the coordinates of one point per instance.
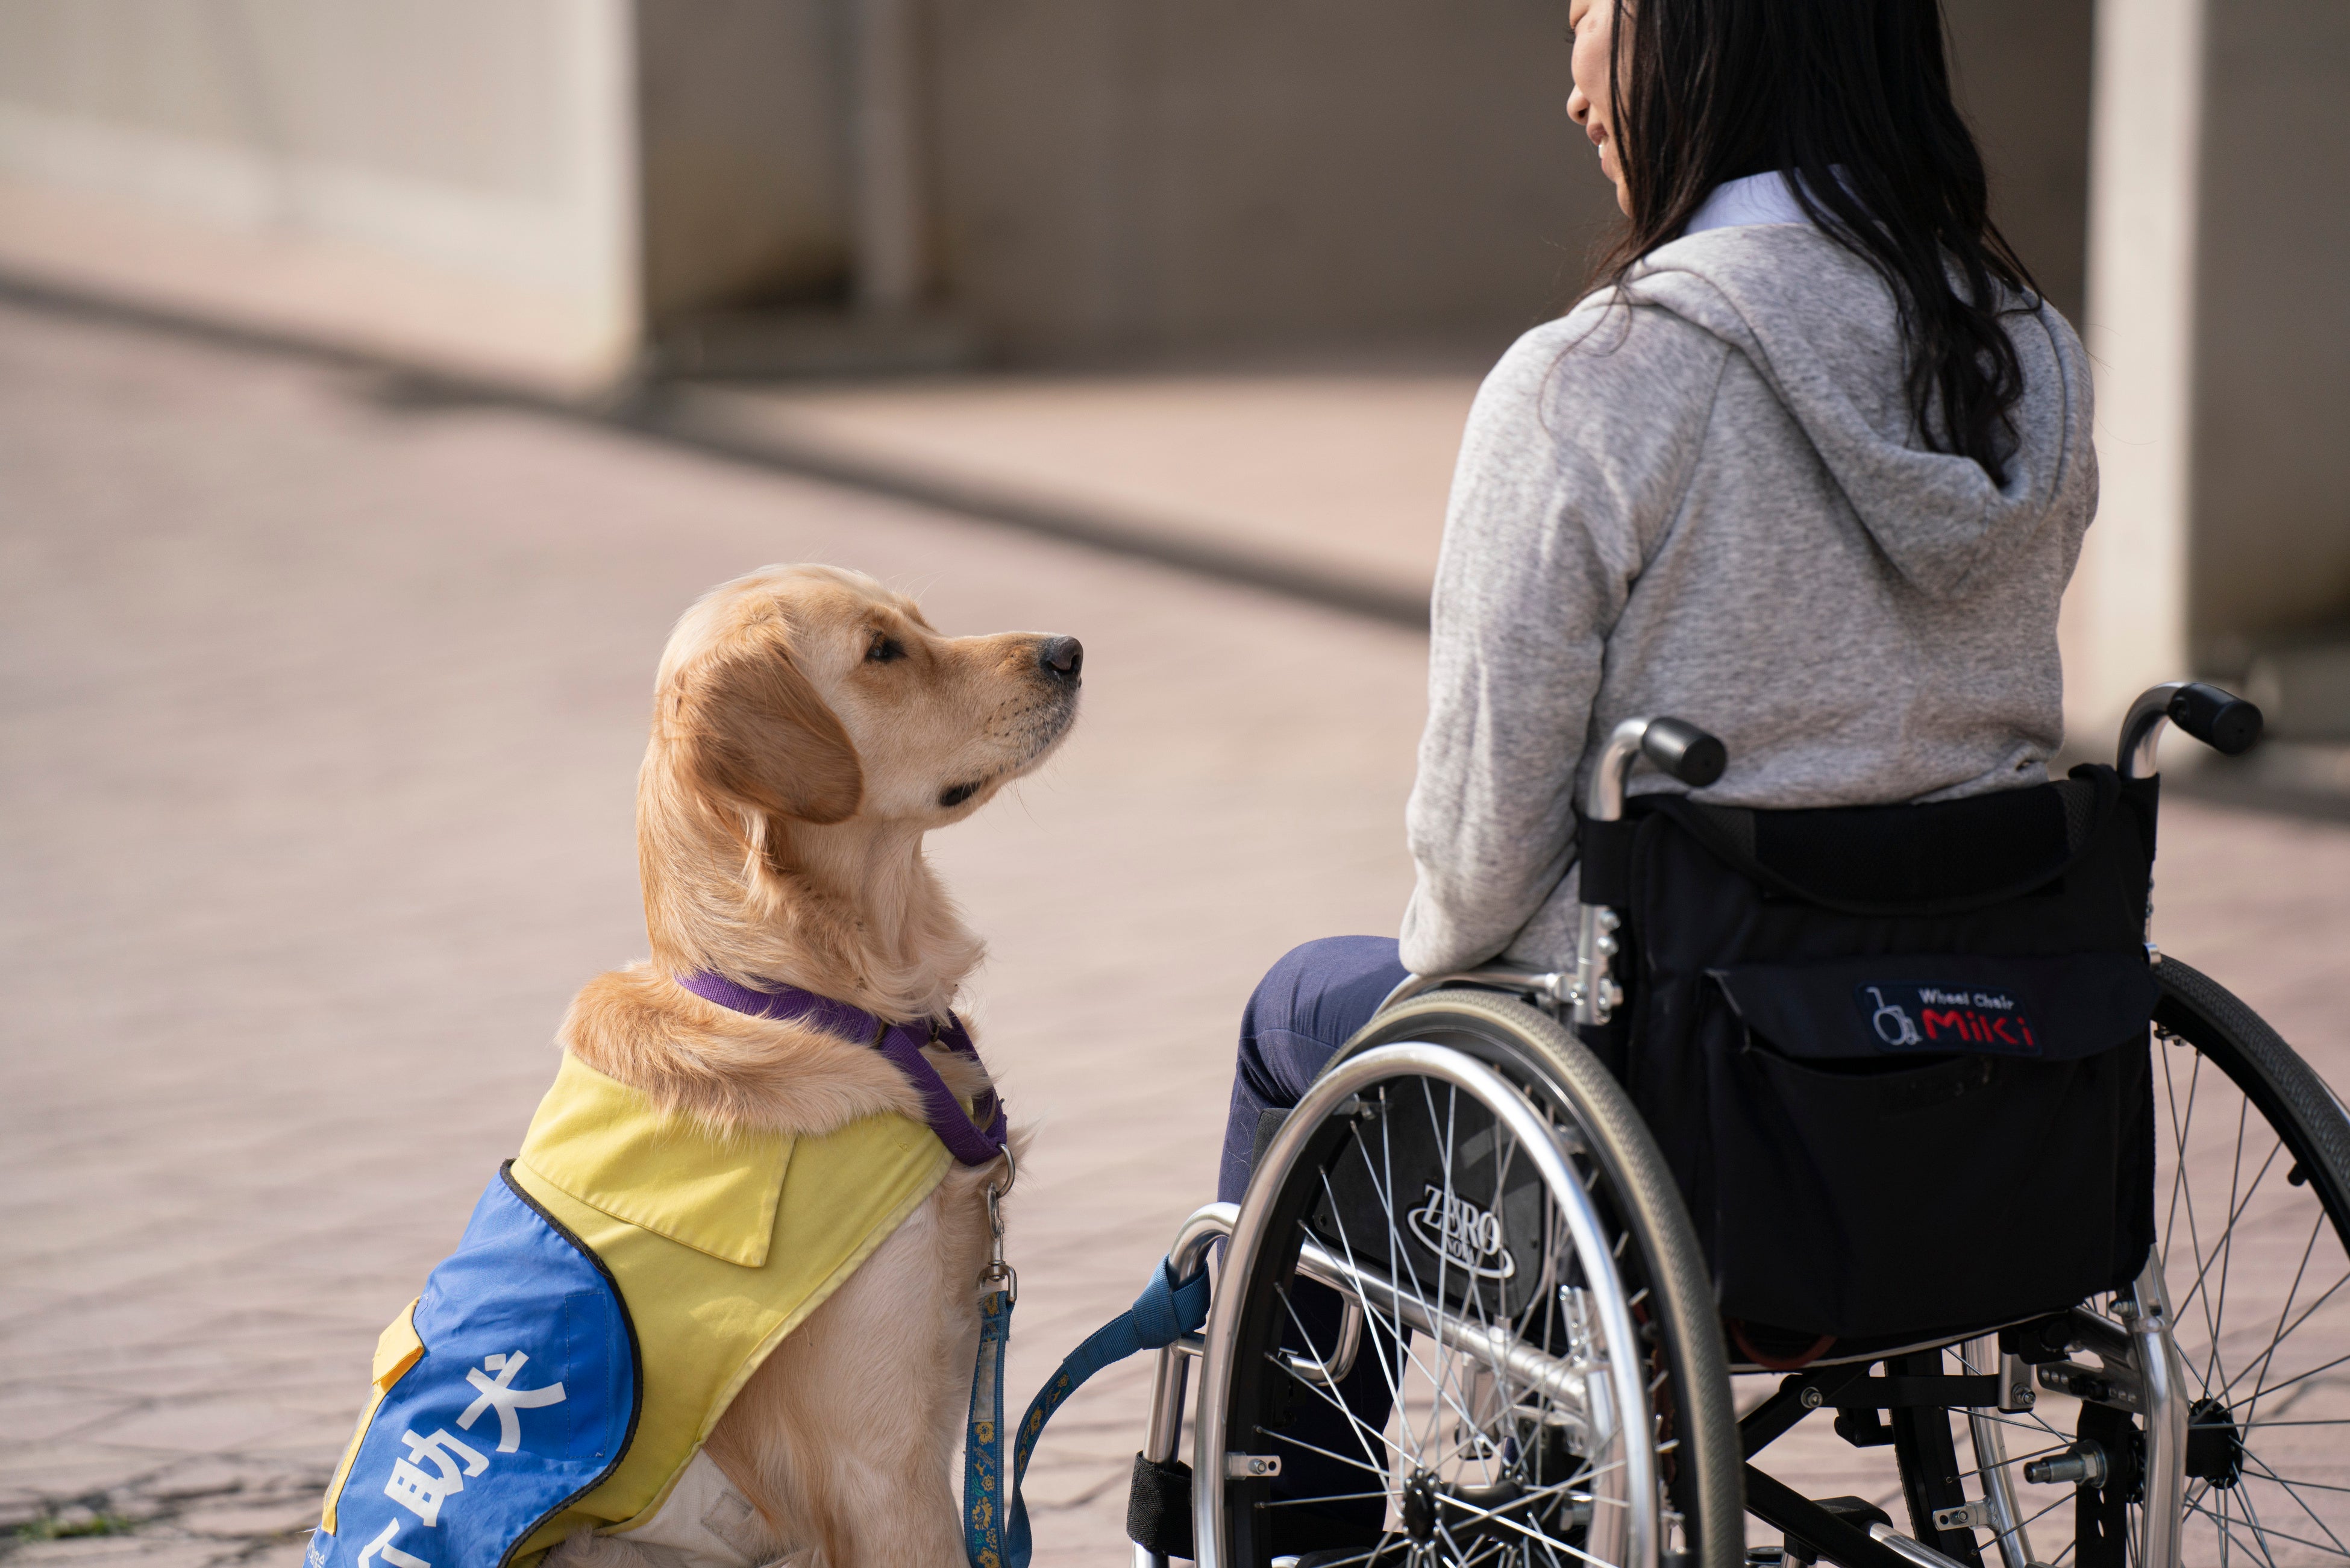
(321, 712)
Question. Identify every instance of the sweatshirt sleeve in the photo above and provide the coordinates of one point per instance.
(1576, 453)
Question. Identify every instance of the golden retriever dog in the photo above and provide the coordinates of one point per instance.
(810, 728)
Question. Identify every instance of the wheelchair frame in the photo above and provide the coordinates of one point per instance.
(2137, 1348)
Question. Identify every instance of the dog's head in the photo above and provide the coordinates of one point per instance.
(813, 695)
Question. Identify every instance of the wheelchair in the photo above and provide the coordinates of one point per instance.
(1891, 1117)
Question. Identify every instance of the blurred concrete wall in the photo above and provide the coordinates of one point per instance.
(1081, 180)
(1091, 177)
(489, 141)
(1124, 173)
(1111, 176)
(2021, 69)
(741, 109)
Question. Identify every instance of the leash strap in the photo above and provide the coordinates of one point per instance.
(982, 1446)
(1166, 1310)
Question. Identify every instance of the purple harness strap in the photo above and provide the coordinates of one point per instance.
(901, 1043)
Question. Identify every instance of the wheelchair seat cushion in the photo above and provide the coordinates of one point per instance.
(1897, 1056)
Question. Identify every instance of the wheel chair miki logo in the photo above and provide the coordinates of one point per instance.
(1906, 1017)
(1461, 1234)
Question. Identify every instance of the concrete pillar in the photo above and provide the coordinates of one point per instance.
(891, 243)
(2269, 561)
(743, 111)
(2125, 617)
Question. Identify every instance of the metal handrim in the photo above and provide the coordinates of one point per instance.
(1546, 1148)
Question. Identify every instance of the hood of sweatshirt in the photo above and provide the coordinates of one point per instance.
(1821, 328)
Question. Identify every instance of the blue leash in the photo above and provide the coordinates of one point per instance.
(1166, 1310)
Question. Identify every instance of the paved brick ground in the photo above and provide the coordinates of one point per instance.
(321, 719)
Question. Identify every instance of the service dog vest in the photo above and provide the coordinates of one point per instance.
(619, 1282)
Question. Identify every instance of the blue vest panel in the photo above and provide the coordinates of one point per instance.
(523, 1398)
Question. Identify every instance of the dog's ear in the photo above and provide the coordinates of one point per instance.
(757, 731)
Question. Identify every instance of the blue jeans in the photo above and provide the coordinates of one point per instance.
(1308, 1005)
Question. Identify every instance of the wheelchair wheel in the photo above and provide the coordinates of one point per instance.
(1463, 1310)
(2252, 1212)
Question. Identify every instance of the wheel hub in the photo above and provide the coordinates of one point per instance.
(1418, 1508)
(2215, 1446)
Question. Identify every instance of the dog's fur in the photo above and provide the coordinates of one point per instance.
(809, 727)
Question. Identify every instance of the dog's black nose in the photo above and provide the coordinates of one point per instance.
(1061, 658)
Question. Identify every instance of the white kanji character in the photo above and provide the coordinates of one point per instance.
(507, 1398)
(391, 1554)
(423, 1494)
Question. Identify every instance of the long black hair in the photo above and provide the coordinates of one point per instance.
(1852, 97)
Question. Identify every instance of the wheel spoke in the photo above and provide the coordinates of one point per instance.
(1362, 1429)
(1533, 1535)
(2226, 1245)
(2300, 1272)
(2302, 1377)
(2299, 1501)
(1373, 1320)
(1403, 1257)
(1434, 1311)
(2228, 1535)
(2261, 1386)
(2279, 1534)
(1445, 1163)
(1280, 1437)
(2224, 1249)
(1338, 1219)
(2048, 1509)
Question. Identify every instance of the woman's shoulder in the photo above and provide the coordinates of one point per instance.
(1603, 390)
(1609, 350)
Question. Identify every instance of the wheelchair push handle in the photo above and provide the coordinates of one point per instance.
(1684, 750)
(2220, 719)
(1675, 745)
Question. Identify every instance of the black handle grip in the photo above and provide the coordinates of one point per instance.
(1686, 751)
(2220, 719)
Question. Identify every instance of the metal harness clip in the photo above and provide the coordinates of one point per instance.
(999, 1274)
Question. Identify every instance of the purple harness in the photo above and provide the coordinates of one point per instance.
(900, 1042)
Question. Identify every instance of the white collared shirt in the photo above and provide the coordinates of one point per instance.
(1756, 199)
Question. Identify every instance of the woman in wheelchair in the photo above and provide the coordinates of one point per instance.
(1859, 1088)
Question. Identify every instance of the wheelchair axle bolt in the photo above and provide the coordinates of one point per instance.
(2084, 1464)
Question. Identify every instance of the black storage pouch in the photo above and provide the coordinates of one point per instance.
(1910, 1114)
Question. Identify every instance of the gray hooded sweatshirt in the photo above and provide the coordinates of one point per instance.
(1712, 503)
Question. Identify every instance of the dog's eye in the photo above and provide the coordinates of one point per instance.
(884, 649)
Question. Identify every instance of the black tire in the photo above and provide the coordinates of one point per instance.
(1663, 1280)
(2295, 1102)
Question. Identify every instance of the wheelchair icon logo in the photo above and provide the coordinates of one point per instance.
(1893, 1025)
(1462, 1234)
